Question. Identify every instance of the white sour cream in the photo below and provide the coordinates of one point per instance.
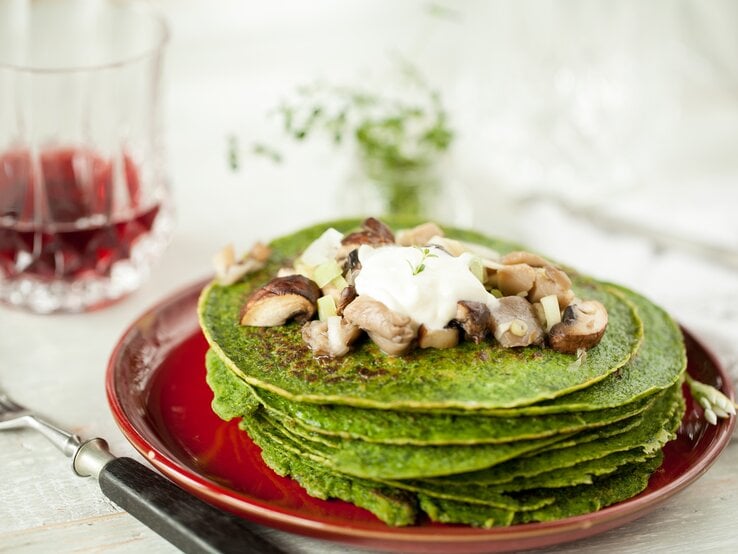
(429, 297)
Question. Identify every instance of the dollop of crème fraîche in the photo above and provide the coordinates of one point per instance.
(425, 284)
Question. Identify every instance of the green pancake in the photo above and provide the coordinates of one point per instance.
(469, 376)
(583, 499)
(390, 461)
(289, 444)
(476, 505)
(651, 369)
(658, 364)
(237, 398)
(660, 421)
(579, 474)
(404, 462)
(570, 501)
(613, 481)
(393, 506)
(476, 434)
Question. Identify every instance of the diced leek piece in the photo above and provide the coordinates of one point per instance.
(540, 315)
(551, 310)
(326, 272)
(476, 267)
(336, 343)
(326, 307)
(340, 283)
(322, 249)
(496, 293)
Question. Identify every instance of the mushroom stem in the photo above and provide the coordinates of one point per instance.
(448, 337)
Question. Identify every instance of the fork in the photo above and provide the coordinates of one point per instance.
(187, 522)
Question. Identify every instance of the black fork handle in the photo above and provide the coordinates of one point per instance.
(187, 522)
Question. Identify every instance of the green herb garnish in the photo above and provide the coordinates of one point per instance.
(421, 266)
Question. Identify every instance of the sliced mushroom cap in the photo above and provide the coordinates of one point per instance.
(514, 323)
(388, 346)
(224, 259)
(236, 272)
(392, 332)
(525, 272)
(522, 257)
(281, 299)
(515, 279)
(473, 318)
(420, 235)
(330, 338)
(351, 276)
(260, 252)
(379, 229)
(447, 337)
(347, 296)
(534, 282)
(582, 326)
(352, 261)
(373, 232)
(352, 266)
(229, 271)
(551, 280)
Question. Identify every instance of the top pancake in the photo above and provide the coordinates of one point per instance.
(467, 377)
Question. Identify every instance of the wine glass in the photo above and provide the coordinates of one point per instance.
(84, 203)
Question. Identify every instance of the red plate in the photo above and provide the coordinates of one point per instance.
(157, 392)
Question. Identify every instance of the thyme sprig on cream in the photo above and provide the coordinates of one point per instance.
(714, 403)
(426, 253)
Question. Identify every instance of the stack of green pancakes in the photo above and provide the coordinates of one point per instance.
(477, 434)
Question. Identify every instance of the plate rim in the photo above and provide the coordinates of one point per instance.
(265, 512)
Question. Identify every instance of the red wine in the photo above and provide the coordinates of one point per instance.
(71, 224)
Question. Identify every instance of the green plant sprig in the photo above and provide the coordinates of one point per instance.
(421, 265)
(391, 132)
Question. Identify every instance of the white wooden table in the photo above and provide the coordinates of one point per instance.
(225, 69)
